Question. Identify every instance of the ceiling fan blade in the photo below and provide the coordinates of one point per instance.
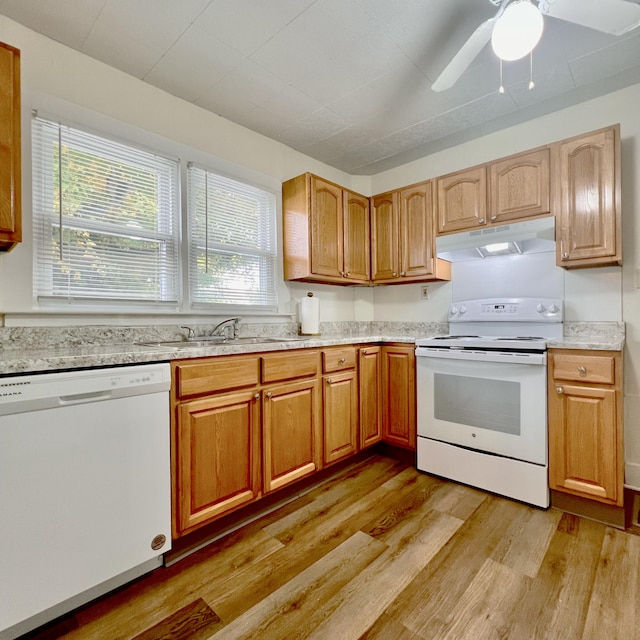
(467, 54)
(610, 16)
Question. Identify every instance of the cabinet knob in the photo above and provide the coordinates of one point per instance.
(342, 273)
(342, 360)
(481, 221)
(565, 255)
(364, 352)
(402, 273)
(494, 217)
(268, 394)
(329, 381)
(395, 274)
(559, 389)
(257, 396)
(582, 370)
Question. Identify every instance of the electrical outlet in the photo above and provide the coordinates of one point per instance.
(424, 292)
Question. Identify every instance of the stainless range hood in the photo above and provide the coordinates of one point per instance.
(530, 236)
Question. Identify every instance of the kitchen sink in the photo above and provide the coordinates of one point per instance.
(209, 342)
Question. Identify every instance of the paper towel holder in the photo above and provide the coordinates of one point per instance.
(317, 311)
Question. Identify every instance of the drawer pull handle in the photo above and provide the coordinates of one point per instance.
(559, 389)
(582, 370)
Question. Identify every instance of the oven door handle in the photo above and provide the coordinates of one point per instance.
(483, 356)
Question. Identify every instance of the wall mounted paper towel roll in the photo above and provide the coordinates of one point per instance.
(310, 315)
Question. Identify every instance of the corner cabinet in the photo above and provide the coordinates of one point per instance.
(10, 151)
(588, 233)
(402, 237)
(326, 232)
(370, 387)
(586, 424)
(399, 396)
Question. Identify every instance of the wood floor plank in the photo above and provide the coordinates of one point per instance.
(459, 500)
(306, 540)
(148, 601)
(610, 615)
(555, 605)
(286, 613)
(484, 609)
(364, 599)
(525, 540)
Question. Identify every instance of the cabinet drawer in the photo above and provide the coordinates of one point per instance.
(216, 374)
(580, 368)
(289, 364)
(338, 359)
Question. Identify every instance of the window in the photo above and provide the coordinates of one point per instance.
(106, 219)
(232, 247)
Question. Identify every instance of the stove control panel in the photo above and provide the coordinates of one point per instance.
(507, 310)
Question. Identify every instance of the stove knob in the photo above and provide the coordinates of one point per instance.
(454, 311)
(541, 308)
(553, 308)
(463, 309)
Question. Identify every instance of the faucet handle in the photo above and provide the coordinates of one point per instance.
(191, 333)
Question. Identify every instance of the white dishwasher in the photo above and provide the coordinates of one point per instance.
(85, 494)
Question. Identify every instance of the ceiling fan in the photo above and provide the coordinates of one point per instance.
(609, 16)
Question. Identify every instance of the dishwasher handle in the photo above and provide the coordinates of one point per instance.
(83, 398)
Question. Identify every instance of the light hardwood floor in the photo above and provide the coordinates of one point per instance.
(381, 551)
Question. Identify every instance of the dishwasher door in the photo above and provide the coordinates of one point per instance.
(84, 487)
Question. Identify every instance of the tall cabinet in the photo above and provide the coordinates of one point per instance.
(10, 174)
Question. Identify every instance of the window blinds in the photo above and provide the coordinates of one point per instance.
(232, 246)
(106, 218)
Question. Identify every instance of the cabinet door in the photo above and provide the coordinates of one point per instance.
(462, 200)
(589, 214)
(416, 224)
(340, 404)
(218, 457)
(370, 387)
(399, 396)
(583, 442)
(385, 244)
(519, 187)
(357, 243)
(10, 164)
(326, 229)
(292, 433)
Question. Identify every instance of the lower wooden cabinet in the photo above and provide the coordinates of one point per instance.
(218, 466)
(585, 424)
(247, 425)
(370, 389)
(292, 436)
(399, 396)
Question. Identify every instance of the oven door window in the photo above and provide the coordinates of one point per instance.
(478, 402)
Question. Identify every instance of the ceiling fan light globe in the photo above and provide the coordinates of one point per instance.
(517, 31)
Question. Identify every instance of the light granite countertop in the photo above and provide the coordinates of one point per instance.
(45, 350)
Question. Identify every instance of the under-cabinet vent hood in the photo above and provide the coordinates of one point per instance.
(530, 236)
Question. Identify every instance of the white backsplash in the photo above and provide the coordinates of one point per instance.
(521, 276)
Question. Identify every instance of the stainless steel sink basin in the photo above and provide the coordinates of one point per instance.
(195, 344)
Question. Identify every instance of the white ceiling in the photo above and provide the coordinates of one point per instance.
(344, 81)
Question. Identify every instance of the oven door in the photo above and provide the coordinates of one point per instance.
(495, 403)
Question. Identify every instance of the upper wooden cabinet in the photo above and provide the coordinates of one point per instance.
(10, 167)
(588, 193)
(326, 232)
(402, 239)
(462, 200)
(503, 191)
(519, 187)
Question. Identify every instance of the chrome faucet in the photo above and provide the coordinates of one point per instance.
(216, 331)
